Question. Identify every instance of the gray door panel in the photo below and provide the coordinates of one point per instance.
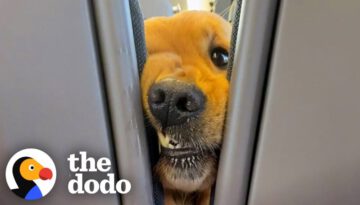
(50, 95)
(309, 145)
(252, 49)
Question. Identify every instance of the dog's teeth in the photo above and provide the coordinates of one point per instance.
(188, 120)
(183, 162)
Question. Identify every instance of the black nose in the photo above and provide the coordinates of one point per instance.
(173, 102)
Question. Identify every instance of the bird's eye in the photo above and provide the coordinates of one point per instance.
(220, 57)
(31, 167)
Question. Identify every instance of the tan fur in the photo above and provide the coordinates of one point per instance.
(179, 48)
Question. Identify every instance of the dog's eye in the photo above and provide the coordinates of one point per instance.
(220, 57)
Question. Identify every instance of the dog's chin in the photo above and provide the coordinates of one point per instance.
(187, 169)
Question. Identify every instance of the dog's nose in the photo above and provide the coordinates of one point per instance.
(174, 102)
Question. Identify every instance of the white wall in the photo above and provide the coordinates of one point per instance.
(152, 8)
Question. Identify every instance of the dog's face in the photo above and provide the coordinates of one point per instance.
(184, 93)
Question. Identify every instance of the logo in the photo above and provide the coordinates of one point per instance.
(82, 164)
(30, 174)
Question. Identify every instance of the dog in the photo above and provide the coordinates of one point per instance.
(184, 95)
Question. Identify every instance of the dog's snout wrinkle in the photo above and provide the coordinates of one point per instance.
(174, 102)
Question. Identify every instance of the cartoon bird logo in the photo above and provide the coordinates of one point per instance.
(25, 171)
(28, 177)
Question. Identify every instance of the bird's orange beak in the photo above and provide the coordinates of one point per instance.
(45, 174)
